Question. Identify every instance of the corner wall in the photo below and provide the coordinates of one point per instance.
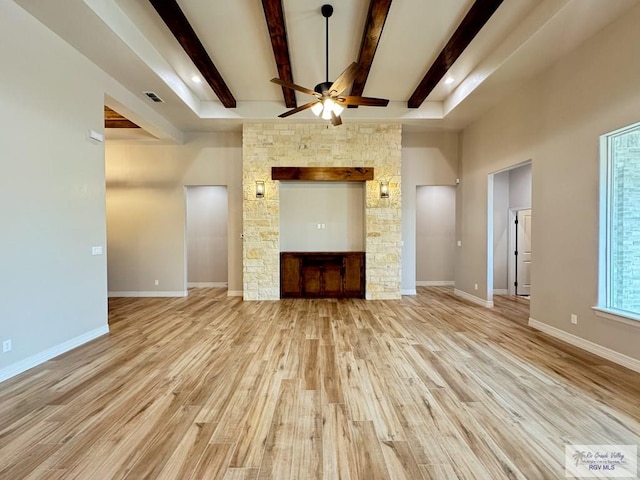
(266, 145)
(556, 120)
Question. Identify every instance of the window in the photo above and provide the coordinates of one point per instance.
(620, 223)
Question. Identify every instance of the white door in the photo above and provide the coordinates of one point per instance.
(523, 252)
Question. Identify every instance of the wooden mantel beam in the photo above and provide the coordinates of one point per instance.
(323, 174)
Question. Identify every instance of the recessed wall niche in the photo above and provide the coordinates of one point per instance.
(322, 216)
(279, 144)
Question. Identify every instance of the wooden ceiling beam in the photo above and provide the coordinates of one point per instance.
(479, 14)
(376, 18)
(175, 20)
(274, 15)
(113, 119)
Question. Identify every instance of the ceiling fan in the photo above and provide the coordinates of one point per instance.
(329, 101)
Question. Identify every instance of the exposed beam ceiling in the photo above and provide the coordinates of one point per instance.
(378, 11)
(129, 40)
(113, 119)
(175, 20)
(274, 15)
(479, 14)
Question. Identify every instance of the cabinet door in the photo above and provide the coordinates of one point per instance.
(354, 275)
(312, 281)
(332, 281)
(290, 281)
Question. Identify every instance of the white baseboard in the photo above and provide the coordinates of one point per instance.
(149, 294)
(473, 298)
(206, 284)
(604, 352)
(500, 291)
(35, 360)
(234, 293)
(435, 283)
(408, 291)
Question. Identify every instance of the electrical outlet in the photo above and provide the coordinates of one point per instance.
(574, 319)
(475, 285)
(157, 282)
(6, 346)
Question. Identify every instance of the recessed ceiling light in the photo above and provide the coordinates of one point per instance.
(196, 79)
(449, 80)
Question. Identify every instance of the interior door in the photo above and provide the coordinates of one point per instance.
(523, 252)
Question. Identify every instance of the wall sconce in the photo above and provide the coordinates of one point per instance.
(259, 189)
(384, 189)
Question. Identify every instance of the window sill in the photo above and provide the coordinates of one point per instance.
(617, 316)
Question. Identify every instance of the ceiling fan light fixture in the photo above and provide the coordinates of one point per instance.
(317, 109)
(328, 108)
(326, 113)
(329, 103)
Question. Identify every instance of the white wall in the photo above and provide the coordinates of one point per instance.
(206, 234)
(339, 206)
(146, 209)
(435, 235)
(427, 159)
(51, 194)
(556, 120)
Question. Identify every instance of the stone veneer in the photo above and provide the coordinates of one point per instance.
(279, 144)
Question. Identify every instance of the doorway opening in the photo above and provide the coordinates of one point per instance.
(509, 243)
(206, 236)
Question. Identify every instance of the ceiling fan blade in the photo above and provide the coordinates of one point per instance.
(335, 119)
(298, 109)
(365, 101)
(293, 86)
(346, 78)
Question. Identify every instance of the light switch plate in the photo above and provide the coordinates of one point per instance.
(96, 250)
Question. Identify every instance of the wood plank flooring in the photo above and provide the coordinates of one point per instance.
(210, 387)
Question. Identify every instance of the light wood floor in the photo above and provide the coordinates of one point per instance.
(210, 387)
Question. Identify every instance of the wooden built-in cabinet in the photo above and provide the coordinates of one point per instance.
(322, 274)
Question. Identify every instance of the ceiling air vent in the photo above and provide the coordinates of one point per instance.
(154, 97)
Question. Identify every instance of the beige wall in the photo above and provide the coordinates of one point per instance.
(427, 159)
(207, 236)
(374, 145)
(501, 250)
(51, 195)
(338, 206)
(556, 120)
(146, 209)
(435, 235)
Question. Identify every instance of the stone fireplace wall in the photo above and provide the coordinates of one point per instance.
(279, 144)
